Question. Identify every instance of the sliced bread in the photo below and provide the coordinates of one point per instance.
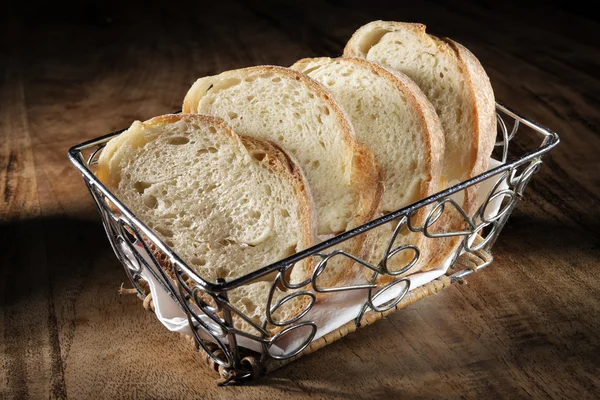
(299, 114)
(395, 119)
(226, 205)
(459, 89)
(450, 76)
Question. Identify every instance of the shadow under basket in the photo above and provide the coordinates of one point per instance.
(265, 343)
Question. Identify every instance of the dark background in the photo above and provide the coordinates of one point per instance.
(79, 40)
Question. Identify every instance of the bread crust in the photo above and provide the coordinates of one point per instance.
(481, 99)
(428, 118)
(283, 163)
(113, 146)
(353, 48)
(276, 160)
(482, 95)
(366, 173)
(478, 84)
(432, 137)
(365, 169)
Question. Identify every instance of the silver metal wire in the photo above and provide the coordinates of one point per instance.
(204, 301)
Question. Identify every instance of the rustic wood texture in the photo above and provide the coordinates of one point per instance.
(529, 326)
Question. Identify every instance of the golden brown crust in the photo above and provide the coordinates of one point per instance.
(114, 144)
(434, 154)
(369, 204)
(428, 119)
(366, 173)
(206, 119)
(284, 164)
(375, 30)
(433, 139)
(483, 114)
(366, 178)
(478, 84)
(280, 163)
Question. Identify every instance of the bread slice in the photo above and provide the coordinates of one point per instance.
(226, 205)
(458, 87)
(395, 119)
(450, 76)
(299, 114)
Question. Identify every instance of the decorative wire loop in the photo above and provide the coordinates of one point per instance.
(526, 175)
(412, 262)
(286, 271)
(238, 314)
(222, 356)
(128, 259)
(323, 264)
(486, 239)
(391, 253)
(458, 208)
(505, 138)
(502, 194)
(494, 194)
(304, 344)
(93, 159)
(210, 312)
(390, 303)
(432, 216)
(273, 309)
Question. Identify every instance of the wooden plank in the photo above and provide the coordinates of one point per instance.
(29, 347)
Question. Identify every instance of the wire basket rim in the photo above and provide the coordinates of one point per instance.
(551, 139)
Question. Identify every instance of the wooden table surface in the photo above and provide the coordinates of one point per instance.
(528, 326)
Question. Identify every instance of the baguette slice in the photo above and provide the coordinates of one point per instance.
(450, 76)
(226, 205)
(395, 119)
(459, 89)
(296, 112)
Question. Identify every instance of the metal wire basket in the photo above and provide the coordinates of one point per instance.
(212, 316)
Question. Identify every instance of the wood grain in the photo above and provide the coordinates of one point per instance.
(528, 326)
